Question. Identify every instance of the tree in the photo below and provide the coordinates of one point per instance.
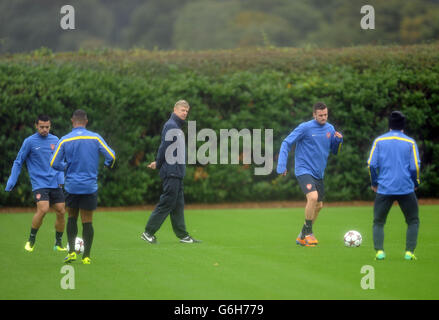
(254, 28)
(206, 25)
(152, 24)
(27, 25)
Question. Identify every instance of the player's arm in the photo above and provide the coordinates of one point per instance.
(336, 142)
(285, 149)
(18, 163)
(60, 174)
(109, 154)
(415, 165)
(373, 166)
(60, 178)
(57, 161)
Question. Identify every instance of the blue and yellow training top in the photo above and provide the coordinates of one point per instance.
(77, 153)
(394, 163)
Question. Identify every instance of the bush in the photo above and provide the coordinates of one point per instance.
(129, 96)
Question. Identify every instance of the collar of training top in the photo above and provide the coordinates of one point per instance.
(177, 119)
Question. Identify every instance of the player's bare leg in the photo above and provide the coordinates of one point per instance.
(37, 221)
(319, 206)
(86, 216)
(311, 205)
(73, 212)
(42, 209)
(306, 238)
(311, 212)
(60, 211)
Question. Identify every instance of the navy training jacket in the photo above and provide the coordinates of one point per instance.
(168, 153)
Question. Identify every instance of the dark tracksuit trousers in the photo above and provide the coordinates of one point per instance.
(409, 206)
(171, 202)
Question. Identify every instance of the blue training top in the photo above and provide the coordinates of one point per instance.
(394, 163)
(77, 153)
(313, 144)
(36, 152)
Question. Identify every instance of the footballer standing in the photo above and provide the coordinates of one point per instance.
(172, 174)
(77, 153)
(394, 166)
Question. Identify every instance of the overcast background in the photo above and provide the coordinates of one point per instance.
(27, 25)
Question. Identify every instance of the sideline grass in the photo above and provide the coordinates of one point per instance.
(245, 254)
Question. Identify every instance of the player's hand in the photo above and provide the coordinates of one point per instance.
(374, 188)
(152, 165)
(338, 135)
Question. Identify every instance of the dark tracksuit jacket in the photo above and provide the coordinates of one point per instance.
(174, 170)
(172, 173)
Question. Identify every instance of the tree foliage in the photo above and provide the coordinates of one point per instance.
(27, 25)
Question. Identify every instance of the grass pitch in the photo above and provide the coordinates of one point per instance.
(246, 254)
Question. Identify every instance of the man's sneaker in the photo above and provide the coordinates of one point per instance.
(149, 238)
(59, 248)
(300, 241)
(311, 239)
(380, 255)
(304, 242)
(409, 256)
(28, 247)
(86, 260)
(189, 239)
(70, 257)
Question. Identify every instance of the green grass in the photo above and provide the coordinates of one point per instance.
(245, 254)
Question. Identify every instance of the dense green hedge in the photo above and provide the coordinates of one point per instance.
(128, 98)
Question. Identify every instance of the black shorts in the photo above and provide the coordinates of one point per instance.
(53, 195)
(308, 183)
(82, 201)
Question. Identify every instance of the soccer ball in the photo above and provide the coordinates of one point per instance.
(79, 246)
(352, 239)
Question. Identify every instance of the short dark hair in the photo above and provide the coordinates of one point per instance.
(43, 118)
(79, 115)
(319, 106)
(397, 120)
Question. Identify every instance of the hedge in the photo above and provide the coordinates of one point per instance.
(129, 95)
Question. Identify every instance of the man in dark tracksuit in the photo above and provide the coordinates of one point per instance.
(394, 171)
(171, 162)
